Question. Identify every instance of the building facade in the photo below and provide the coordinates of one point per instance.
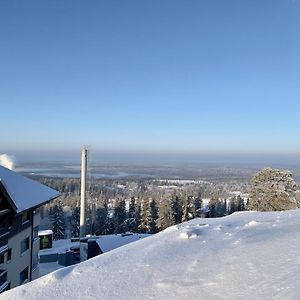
(20, 199)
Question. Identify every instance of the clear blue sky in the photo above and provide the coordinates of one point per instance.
(150, 76)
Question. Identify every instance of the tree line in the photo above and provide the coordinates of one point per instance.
(137, 215)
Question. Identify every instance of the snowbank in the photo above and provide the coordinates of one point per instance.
(242, 256)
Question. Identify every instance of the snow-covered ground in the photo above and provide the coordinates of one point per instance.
(247, 255)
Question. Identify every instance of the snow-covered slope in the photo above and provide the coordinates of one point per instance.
(247, 255)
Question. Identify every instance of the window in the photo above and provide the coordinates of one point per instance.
(35, 232)
(3, 250)
(25, 216)
(24, 275)
(9, 254)
(24, 245)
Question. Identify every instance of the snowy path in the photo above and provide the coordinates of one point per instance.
(247, 255)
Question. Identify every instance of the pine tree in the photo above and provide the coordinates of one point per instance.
(163, 220)
(176, 210)
(146, 217)
(75, 222)
(212, 213)
(198, 206)
(220, 209)
(119, 216)
(58, 221)
(240, 203)
(188, 209)
(154, 214)
(133, 221)
(233, 206)
(103, 225)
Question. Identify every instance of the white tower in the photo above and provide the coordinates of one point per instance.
(83, 190)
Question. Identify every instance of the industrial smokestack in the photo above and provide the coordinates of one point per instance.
(83, 191)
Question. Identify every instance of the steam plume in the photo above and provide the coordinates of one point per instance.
(6, 161)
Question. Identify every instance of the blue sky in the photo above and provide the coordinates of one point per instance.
(150, 76)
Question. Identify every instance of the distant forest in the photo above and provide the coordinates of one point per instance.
(144, 206)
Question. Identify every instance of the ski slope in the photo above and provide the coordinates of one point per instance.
(248, 255)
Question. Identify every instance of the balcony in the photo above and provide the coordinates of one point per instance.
(3, 277)
(4, 211)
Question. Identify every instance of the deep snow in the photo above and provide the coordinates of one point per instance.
(247, 255)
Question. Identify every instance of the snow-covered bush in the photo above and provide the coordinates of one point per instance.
(273, 190)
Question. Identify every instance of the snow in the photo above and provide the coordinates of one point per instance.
(59, 246)
(45, 232)
(110, 242)
(241, 256)
(46, 268)
(24, 192)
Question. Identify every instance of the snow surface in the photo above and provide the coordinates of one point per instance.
(242, 256)
(24, 192)
(113, 241)
(59, 246)
(45, 232)
(46, 268)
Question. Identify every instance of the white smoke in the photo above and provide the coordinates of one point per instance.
(6, 161)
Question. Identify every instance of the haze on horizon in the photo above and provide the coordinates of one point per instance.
(151, 80)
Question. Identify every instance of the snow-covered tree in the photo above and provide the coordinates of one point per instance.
(119, 216)
(176, 210)
(146, 217)
(273, 190)
(58, 221)
(154, 214)
(134, 218)
(186, 209)
(163, 220)
(213, 202)
(198, 206)
(103, 223)
(75, 221)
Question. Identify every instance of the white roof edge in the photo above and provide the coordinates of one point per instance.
(24, 192)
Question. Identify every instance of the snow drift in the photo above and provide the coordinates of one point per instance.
(248, 255)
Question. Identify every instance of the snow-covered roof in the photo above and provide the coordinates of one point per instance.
(110, 242)
(45, 232)
(247, 255)
(24, 192)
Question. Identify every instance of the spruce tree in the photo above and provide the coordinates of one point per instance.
(233, 206)
(188, 209)
(154, 214)
(240, 203)
(102, 219)
(75, 222)
(198, 206)
(58, 221)
(212, 213)
(163, 220)
(146, 217)
(119, 216)
(176, 210)
(133, 221)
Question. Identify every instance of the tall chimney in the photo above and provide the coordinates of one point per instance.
(83, 191)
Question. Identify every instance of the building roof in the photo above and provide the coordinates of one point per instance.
(24, 192)
(110, 242)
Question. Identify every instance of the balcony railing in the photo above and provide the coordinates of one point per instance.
(3, 276)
